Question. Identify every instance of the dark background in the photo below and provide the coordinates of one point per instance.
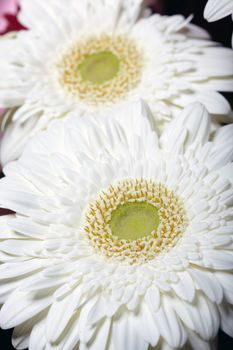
(221, 31)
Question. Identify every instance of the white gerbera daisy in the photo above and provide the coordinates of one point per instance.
(121, 240)
(96, 54)
(217, 9)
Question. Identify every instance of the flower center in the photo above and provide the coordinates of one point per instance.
(100, 70)
(99, 67)
(134, 221)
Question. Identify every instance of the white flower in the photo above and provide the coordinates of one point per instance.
(96, 54)
(121, 239)
(216, 10)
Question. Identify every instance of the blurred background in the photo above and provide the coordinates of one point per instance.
(220, 31)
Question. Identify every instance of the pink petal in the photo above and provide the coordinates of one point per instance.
(9, 7)
(3, 24)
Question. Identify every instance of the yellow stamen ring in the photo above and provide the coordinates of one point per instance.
(131, 202)
(100, 70)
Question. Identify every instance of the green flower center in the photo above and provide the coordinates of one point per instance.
(135, 220)
(99, 67)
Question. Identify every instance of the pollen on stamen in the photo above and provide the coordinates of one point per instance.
(119, 62)
(134, 221)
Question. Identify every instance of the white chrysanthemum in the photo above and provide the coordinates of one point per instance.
(96, 54)
(216, 10)
(121, 239)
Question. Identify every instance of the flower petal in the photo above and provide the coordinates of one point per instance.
(226, 312)
(37, 339)
(209, 284)
(126, 335)
(192, 127)
(216, 10)
(60, 313)
(20, 307)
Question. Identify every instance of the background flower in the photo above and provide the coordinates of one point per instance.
(47, 86)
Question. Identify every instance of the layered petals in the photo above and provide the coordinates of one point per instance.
(61, 293)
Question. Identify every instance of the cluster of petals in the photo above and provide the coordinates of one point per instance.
(60, 294)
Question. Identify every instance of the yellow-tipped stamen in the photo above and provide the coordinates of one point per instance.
(135, 220)
(100, 70)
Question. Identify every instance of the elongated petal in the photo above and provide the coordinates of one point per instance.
(216, 10)
(192, 127)
(20, 307)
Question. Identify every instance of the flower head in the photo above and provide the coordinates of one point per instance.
(121, 239)
(102, 54)
(216, 10)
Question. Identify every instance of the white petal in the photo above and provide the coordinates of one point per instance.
(14, 139)
(184, 288)
(191, 127)
(39, 282)
(226, 172)
(197, 32)
(20, 307)
(6, 231)
(37, 339)
(209, 284)
(226, 312)
(226, 281)
(222, 151)
(21, 334)
(60, 313)
(100, 339)
(199, 317)
(216, 259)
(27, 228)
(30, 12)
(126, 335)
(152, 298)
(213, 101)
(216, 10)
(11, 270)
(135, 118)
(148, 325)
(169, 325)
(197, 343)
(20, 247)
(6, 288)
(214, 56)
